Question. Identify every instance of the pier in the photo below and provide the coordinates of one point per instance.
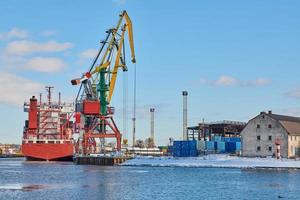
(102, 161)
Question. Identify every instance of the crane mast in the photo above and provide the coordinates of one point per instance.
(93, 111)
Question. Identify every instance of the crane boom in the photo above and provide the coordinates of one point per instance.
(105, 63)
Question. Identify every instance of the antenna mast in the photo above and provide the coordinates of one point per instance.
(48, 89)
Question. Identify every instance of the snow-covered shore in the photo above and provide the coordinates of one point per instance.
(220, 161)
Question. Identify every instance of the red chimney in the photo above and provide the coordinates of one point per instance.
(32, 113)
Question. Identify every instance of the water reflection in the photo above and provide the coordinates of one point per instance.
(25, 188)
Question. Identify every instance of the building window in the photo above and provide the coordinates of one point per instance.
(258, 148)
(258, 125)
(270, 125)
(270, 148)
(270, 137)
(258, 137)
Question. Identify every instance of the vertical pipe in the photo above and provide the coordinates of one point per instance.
(184, 131)
(40, 99)
(59, 98)
(152, 125)
(32, 114)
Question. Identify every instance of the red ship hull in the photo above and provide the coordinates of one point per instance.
(47, 152)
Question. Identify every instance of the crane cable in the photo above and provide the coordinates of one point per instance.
(134, 107)
(125, 105)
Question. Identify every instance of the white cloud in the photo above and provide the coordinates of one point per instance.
(45, 64)
(225, 80)
(260, 82)
(49, 33)
(35, 63)
(24, 47)
(13, 33)
(15, 89)
(88, 54)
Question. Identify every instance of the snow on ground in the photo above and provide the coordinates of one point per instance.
(217, 160)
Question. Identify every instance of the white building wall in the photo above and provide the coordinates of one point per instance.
(294, 146)
(263, 126)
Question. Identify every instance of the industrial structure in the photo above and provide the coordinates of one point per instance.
(48, 132)
(205, 131)
(267, 133)
(10, 150)
(184, 123)
(94, 114)
(152, 126)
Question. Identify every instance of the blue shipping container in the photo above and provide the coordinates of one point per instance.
(221, 147)
(177, 153)
(193, 144)
(170, 149)
(217, 138)
(177, 143)
(235, 139)
(210, 145)
(230, 147)
(185, 148)
(216, 145)
(231, 139)
(238, 146)
(193, 153)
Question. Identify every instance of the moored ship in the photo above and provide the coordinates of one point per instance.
(47, 132)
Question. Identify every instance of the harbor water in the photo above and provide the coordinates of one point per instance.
(20, 179)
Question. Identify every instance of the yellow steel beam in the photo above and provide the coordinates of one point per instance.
(116, 66)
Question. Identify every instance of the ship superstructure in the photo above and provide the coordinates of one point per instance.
(48, 133)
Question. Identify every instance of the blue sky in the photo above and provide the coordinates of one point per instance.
(236, 58)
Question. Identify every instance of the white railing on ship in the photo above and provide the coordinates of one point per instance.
(46, 141)
(54, 105)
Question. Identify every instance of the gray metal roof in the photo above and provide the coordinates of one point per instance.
(284, 118)
(291, 124)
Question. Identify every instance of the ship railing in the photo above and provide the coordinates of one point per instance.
(69, 107)
(46, 141)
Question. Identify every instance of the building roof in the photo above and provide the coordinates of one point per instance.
(285, 118)
(293, 128)
(291, 124)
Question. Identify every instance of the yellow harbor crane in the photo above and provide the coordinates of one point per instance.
(93, 101)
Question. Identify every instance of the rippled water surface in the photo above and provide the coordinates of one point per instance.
(38, 180)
